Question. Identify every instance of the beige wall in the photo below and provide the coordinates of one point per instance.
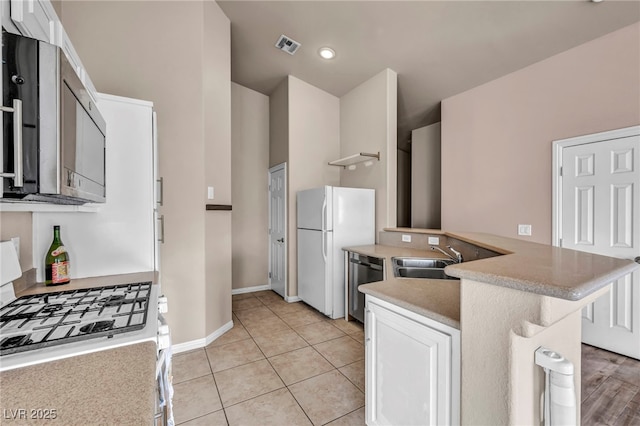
(314, 140)
(279, 124)
(19, 225)
(425, 177)
(167, 52)
(496, 138)
(216, 82)
(368, 123)
(249, 166)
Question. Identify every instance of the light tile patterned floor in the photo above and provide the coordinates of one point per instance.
(281, 364)
(286, 364)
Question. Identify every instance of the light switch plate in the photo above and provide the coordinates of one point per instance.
(406, 238)
(434, 241)
(210, 192)
(524, 230)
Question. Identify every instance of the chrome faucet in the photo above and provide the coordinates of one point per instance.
(457, 253)
(457, 259)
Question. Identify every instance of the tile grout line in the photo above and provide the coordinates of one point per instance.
(216, 384)
(317, 375)
(310, 345)
(280, 377)
(344, 415)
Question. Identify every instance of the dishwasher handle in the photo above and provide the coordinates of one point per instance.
(366, 264)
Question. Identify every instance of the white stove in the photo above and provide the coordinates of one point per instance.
(46, 327)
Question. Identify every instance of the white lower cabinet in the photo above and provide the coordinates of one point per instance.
(412, 368)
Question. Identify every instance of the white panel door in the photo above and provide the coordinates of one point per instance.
(278, 229)
(601, 214)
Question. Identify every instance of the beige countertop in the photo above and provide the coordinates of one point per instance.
(115, 386)
(540, 268)
(435, 299)
(79, 283)
(525, 266)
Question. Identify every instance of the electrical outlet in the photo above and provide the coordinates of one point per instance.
(434, 241)
(406, 238)
(210, 192)
(524, 230)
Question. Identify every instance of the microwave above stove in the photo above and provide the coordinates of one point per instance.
(53, 136)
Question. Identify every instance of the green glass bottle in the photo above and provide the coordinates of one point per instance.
(57, 261)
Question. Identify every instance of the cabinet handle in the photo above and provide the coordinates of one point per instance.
(161, 191)
(17, 175)
(161, 238)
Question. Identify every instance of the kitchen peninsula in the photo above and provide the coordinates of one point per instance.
(513, 297)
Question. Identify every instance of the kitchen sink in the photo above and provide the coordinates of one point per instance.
(418, 267)
(420, 262)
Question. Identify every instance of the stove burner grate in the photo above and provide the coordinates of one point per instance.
(96, 327)
(33, 322)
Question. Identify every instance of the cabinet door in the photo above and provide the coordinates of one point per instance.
(35, 19)
(408, 371)
(119, 238)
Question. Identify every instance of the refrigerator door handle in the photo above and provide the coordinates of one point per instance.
(323, 225)
(324, 246)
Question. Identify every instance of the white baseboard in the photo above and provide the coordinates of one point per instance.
(250, 289)
(201, 343)
(292, 299)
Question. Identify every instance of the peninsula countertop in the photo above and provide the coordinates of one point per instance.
(435, 299)
(521, 265)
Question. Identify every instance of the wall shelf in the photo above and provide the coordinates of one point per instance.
(224, 207)
(355, 159)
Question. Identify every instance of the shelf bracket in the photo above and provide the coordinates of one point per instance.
(355, 159)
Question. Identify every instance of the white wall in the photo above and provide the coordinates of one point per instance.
(279, 124)
(314, 140)
(368, 123)
(249, 166)
(425, 177)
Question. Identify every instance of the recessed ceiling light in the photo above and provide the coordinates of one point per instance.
(327, 53)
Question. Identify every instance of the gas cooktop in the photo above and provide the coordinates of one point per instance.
(43, 320)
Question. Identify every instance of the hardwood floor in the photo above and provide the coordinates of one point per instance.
(610, 388)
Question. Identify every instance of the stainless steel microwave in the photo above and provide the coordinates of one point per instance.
(53, 136)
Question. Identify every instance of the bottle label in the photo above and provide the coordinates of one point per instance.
(58, 251)
(60, 272)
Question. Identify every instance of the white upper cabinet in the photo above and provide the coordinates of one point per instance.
(35, 19)
(120, 237)
(38, 19)
(62, 40)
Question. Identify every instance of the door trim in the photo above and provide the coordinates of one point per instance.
(278, 167)
(556, 177)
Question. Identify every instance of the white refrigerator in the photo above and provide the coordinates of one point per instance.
(330, 218)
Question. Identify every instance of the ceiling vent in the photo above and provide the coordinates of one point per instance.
(287, 44)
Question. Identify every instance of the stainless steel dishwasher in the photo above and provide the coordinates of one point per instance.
(362, 270)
